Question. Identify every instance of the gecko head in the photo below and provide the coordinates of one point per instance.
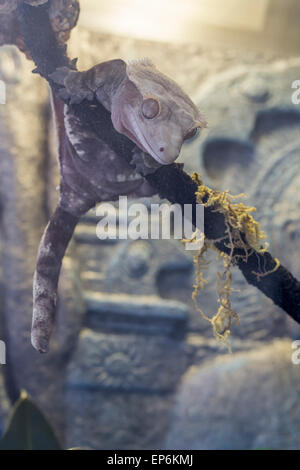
(154, 112)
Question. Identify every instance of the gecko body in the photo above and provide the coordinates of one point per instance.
(146, 107)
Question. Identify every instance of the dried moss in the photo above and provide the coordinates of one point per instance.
(243, 234)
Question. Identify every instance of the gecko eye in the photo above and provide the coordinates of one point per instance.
(150, 108)
(191, 134)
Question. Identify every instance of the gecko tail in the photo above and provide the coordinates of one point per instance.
(50, 255)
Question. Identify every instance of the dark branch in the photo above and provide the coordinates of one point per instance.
(170, 181)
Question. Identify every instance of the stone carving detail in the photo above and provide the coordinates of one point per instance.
(135, 314)
(125, 357)
(110, 420)
(126, 362)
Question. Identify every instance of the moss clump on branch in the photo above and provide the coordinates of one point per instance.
(243, 237)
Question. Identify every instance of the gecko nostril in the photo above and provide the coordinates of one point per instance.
(162, 149)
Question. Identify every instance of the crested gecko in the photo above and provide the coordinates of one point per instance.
(145, 106)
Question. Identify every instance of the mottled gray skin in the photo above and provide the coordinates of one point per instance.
(145, 106)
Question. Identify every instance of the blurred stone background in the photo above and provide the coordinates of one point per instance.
(132, 365)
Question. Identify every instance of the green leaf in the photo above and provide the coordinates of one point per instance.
(28, 429)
